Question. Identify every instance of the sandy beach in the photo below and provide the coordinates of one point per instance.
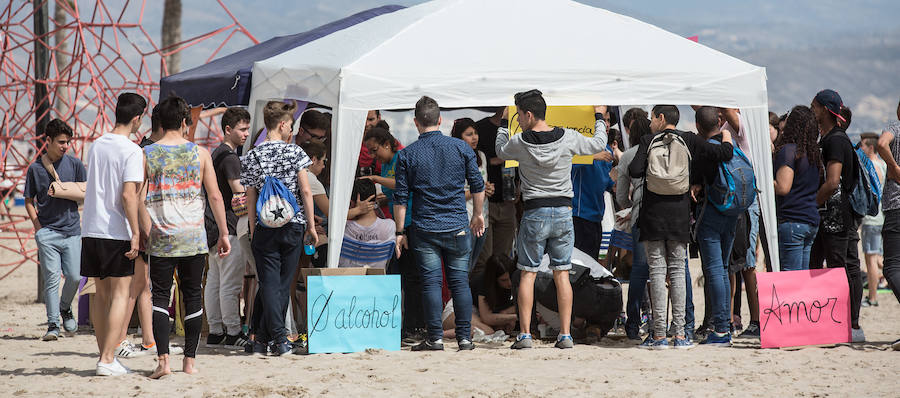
(33, 368)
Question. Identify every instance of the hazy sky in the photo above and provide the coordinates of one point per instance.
(806, 45)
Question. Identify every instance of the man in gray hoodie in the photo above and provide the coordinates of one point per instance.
(545, 155)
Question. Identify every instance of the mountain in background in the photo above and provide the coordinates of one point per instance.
(808, 45)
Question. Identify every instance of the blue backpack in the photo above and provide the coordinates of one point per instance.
(734, 188)
(276, 204)
(866, 194)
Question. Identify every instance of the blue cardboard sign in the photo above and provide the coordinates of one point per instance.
(353, 313)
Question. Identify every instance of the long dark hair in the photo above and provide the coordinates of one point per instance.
(495, 267)
(639, 128)
(801, 129)
(382, 136)
(461, 125)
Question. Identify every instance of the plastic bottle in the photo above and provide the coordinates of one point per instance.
(308, 247)
(509, 184)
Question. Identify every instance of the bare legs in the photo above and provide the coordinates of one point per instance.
(112, 299)
(563, 299)
(873, 264)
(139, 296)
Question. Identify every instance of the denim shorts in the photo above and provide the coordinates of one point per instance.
(546, 230)
(870, 235)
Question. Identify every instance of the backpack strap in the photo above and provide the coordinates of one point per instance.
(45, 160)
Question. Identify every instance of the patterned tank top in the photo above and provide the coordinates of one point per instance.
(175, 200)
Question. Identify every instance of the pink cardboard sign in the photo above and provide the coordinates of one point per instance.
(804, 307)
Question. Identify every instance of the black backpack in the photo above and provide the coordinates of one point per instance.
(598, 300)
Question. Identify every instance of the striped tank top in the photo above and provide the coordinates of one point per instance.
(175, 200)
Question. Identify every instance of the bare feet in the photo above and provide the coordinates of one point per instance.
(189, 366)
(163, 368)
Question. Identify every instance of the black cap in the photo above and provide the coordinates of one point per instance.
(831, 100)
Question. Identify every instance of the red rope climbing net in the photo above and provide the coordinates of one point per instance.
(106, 51)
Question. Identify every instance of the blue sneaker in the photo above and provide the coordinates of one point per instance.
(654, 344)
(718, 339)
(682, 344)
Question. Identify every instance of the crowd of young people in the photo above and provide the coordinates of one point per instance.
(169, 205)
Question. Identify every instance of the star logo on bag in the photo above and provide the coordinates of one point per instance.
(277, 213)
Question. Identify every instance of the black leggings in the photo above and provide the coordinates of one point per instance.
(841, 250)
(190, 276)
(890, 233)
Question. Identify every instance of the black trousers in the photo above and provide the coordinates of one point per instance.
(588, 236)
(277, 253)
(838, 250)
(890, 234)
(190, 276)
(411, 285)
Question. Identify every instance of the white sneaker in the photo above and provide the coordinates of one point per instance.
(111, 369)
(857, 336)
(128, 350)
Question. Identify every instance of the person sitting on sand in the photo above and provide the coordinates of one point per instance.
(367, 227)
(177, 172)
(493, 296)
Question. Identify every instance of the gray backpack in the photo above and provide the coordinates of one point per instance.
(668, 165)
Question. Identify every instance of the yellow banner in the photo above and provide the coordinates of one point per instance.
(578, 118)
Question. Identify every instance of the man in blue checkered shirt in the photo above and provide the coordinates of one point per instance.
(435, 169)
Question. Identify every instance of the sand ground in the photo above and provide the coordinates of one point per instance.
(30, 367)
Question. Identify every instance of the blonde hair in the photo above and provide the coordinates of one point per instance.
(276, 112)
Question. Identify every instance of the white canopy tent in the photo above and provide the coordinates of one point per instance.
(498, 48)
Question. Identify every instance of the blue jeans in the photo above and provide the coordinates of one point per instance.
(453, 249)
(58, 254)
(637, 284)
(753, 221)
(795, 240)
(715, 236)
(546, 230)
(477, 245)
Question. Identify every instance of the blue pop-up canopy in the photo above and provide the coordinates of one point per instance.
(226, 81)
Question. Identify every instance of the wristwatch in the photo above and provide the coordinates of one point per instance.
(400, 233)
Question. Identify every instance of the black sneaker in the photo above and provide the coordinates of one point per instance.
(428, 345)
(214, 340)
(237, 342)
(466, 345)
(69, 323)
(52, 333)
(260, 349)
(283, 349)
(752, 331)
(414, 337)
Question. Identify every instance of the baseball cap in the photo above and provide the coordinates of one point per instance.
(831, 100)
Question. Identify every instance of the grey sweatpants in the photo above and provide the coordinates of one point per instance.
(666, 256)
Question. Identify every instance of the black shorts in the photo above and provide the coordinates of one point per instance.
(101, 258)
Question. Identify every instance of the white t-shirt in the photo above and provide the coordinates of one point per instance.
(112, 161)
(381, 231)
(739, 136)
(314, 185)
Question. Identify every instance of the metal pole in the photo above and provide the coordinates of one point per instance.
(41, 97)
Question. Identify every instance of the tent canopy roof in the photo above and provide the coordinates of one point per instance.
(462, 54)
(226, 80)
